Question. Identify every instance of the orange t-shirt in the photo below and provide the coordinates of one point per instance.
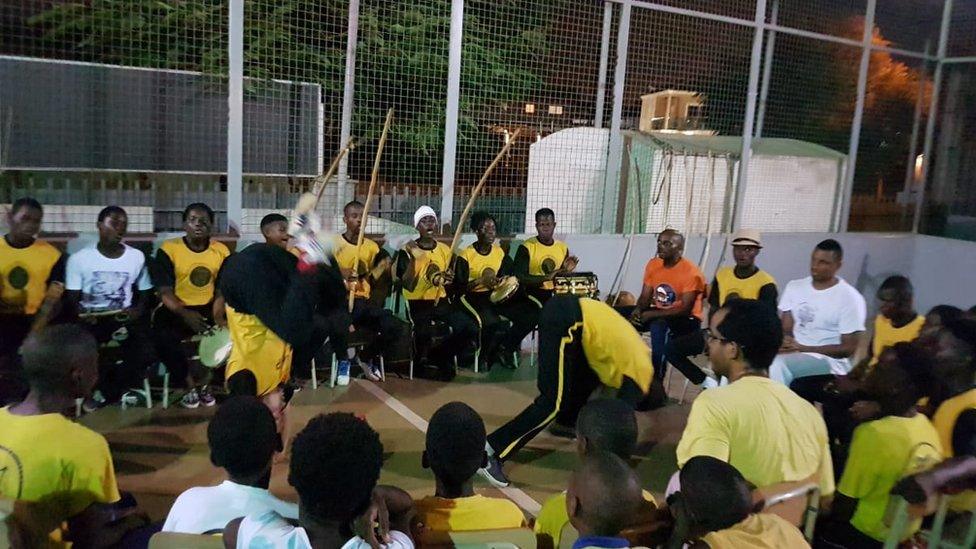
(670, 282)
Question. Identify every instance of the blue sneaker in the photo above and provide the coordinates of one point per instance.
(342, 373)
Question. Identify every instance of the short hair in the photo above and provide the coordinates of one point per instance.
(272, 218)
(963, 329)
(199, 206)
(899, 284)
(902, 381)
(352, 203)
(455, 443)
(335, 463)
(610, 425)
(109, 210)
(242, 383)
(544, 212)
(610, 490)
(945, 313)
(242, 436)
(25, 202)
(48, 355)
(831, 245)
(756, 328)
(714, 492)
(479, 218)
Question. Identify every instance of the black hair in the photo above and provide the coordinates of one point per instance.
(544, 212)
(25, 202)
(611, 491)
(901, 382)
(243, 437)
(48, 355)
(946, 313)
(201, 207)
(352, 203)
(335, 463)
(715, 493)
(964, 329)
(272, 218)
(455, 443)
(755, 327)
(479, 218)
(242, 383)
(831, 245)
(109, 210)
(899, 284)
(610, 425)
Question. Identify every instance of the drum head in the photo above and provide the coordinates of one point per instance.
(505, 289)
(215, 348)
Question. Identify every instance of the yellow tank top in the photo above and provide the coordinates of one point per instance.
(345, 254)
(429, 263)
(478, 264)
(886, 335)
(195, 271)
(258, 349)
(730, 285)
(545, 259)
(23, 275)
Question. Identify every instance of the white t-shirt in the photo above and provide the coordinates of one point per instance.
(820, 317)
(207, 508)
(271, 531)
(106, 283)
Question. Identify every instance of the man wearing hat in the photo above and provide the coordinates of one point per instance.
(745, 280)
(427, 278)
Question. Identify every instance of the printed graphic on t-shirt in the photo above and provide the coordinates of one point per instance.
(548, 265)
(200, 276)
(11, 474)
(664, 296)
(805, 314)
(18, 277)
(108, 289)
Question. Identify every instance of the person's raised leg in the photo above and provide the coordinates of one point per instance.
(788, 367)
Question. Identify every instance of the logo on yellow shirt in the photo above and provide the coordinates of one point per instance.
(548, 265)
(200, 276)
(18, 277)
(11, 474)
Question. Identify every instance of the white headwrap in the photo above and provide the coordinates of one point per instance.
(423, 212)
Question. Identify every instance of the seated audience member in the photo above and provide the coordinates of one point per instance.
(602, 498)
(714, 509)
(274, 228)
(823, 319)
(897, 320)
(185, 274)
(745, 280)
(760, 427)
(882, 452)
(455, 451)
(31, 283)
(670, 306)
(111, 277)
(605, 425)
(44, 457)
(935, 319)
(243, 441)
(335, 463)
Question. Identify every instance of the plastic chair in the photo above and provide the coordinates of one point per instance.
(568, 536)
(172, 540)
(796, 502)
(911, 497)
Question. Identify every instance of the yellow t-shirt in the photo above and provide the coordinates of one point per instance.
(195, 272)
(430, 263)
(761, 428)
(883, 452)
(49, 459)
(757, 531)
(886, 335)
(475, 512)
(478, 264)
(24, 274)
(256, 348)
(612, 346)
(745, 288)
(553, 516)
(944, 421)
(545, 259)
(346, 257)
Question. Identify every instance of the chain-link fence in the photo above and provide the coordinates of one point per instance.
(632, 115)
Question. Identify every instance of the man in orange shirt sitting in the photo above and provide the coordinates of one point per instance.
(670, 306)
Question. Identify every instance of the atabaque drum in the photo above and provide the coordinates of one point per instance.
(579, 284)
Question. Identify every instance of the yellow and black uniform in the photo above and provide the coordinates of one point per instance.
(49, 459)
(534, 261)
(193, 277)
(887, 335)
(955, 421)
(759, 285)
(366, 312)
(470, 266)
(583, 343)
(270, 307)
(477, 512)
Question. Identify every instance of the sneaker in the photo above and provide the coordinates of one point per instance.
(191, 399)
(494, 474)
(377, 371)
(91, 404)
(206, 397)
(342, 374)
(133, 399)
(370, 372)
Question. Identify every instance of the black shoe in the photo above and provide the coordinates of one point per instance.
(494, 474)
(562, 431)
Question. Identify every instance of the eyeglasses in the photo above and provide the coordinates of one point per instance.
(708, 336)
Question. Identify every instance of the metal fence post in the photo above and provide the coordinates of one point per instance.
(451, 118)
(601, 85)
(235, 115)
(862, 84)
(933, 113)
(750, 115)
(611, 182)
(348, 93)
(767, 70)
